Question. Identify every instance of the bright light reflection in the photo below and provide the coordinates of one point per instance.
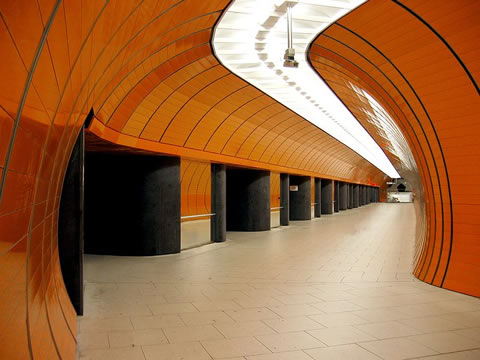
(388, 129)
(250, 41)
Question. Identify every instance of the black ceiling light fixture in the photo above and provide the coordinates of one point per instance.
(289, 56)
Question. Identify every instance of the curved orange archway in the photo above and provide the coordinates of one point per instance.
(420, 62)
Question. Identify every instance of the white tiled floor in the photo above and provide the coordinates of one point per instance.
(338, 287)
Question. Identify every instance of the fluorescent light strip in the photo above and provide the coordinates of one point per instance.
(250, 41)
(387, 127)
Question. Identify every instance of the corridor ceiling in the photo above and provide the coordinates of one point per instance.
(250, 40)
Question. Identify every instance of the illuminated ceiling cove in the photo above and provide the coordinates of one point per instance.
(251, 39)
(387, 129)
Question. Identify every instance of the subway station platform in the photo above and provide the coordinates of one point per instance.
(336, 287)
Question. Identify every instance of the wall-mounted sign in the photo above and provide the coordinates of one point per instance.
(293, 187)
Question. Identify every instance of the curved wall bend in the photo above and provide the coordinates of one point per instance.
(420, 62)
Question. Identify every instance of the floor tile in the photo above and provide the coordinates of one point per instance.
(156, 322)
(295, 310)
(205, 318)
(117, 354)
(183, 351)
(116, 309)
(88, 341)
(136, 338)
(293, 324)
(216, 305)
(289, 341)
(289, 355)
(472, 333)
(341, 335)
(160, 309)
(342, 352)
(257, 302)
(244, 328)
(336, 306)
(338, 319)
(446, 341)
(296, 299)
(251, 314)
(104, 325)
(377, 315)
(234, 347)
(461, 355)
(432, 324)
(388, 329)
(468, 319)
(397, 349)
(192, 333)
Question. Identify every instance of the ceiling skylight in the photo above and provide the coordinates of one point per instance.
(251, 39)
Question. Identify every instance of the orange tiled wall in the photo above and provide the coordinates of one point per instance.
(419, 59)
(274, 190)
(196, 187)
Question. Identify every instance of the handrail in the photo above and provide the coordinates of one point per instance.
(195, 216)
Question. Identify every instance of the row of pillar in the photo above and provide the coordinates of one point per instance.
(132, 204)
(138, 197)
(330, 196)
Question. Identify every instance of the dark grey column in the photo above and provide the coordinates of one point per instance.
(284, 199)
(327, 195)
(336, 196)
(318, 197)
(300, 200)
(350, 196)
(248, 200)
(360, 198)
(369, 194)
(132, 204)
(364, 195)
(356, 196)
(218, 222)
(343, 196)
(70, 225)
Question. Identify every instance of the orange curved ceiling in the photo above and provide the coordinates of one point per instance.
(167, 93)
